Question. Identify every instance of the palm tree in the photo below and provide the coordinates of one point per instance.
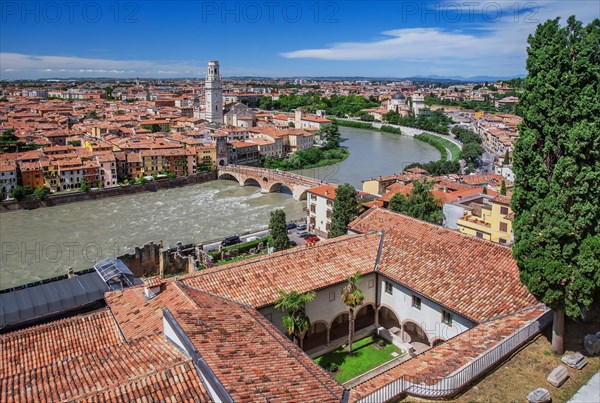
(352, 297)
(296, 320)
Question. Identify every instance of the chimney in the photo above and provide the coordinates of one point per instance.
(459, 198)
(152, 287)
(70, 273)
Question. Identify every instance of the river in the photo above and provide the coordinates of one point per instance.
(42, 243)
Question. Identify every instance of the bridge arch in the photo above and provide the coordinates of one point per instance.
(280, 187)
(229, 177)
(252, 182)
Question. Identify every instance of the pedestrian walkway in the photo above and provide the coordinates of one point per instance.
(589, 393)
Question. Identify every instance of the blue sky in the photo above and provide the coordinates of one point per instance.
(272, 38)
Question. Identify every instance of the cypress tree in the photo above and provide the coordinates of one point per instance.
(278, 231)
(344, 210)
(557, 167)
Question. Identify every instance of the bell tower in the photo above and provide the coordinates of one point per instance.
(213, 91)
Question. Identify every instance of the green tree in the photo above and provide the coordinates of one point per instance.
(420, 203)
(296, 321)
(344, 210)
(20, 192)
(557, 167)
(352, 297)
(41, 192)
(91, 115)
(506, 158)
(278, 231)
(84, 185)
(503, 188)
(330, 134)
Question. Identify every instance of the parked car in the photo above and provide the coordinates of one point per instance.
(290, 226)
(303, 233)
(231, 240)
(252, 238)
(301, 227)
(292, 243)
(312, 238)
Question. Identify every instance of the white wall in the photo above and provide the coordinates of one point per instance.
(429, 317)
(320, 213)
(321, 308)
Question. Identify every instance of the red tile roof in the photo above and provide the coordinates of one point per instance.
(256, 282)
(326, 191)
(84, 357)
(139, 317)
(473, 277)
(251, 358)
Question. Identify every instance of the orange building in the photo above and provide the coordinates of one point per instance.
(32, 174)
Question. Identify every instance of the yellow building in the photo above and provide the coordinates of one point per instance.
(494, 222)
(207, 156)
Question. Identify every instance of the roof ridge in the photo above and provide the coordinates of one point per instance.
(252, 312)
(439, 227)
(235, 265)
(56, 323)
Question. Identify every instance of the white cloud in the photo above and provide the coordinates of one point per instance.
(497, 47)
(35, 66)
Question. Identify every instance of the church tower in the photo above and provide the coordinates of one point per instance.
(213, 92)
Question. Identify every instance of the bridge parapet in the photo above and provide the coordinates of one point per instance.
(269, 180)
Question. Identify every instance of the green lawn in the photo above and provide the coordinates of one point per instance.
(365, 357)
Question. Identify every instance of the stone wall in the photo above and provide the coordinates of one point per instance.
(144, 261)
(150, 186)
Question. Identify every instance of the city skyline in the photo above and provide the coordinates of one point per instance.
(273, 39)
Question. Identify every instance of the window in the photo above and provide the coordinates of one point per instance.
(371, 283)
(504, 210)
(416, 302)
(332, 296)
(503, 227)
(502, 240)
(447, 318)
(479, 234)
(388, 287)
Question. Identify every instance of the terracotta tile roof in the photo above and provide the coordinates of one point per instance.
(254, 361)
(473, 277)
(84, 358)
(441, 361)
(138, 316)
(61, 340)
(179, 383)
(256, 282)
(112, 366)
(326, 191)
(500, 199)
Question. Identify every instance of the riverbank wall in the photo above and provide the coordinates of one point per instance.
(150, 186)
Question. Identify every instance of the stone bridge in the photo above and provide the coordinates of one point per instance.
(269, 180)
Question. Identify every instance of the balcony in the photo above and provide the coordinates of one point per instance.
(471, 221)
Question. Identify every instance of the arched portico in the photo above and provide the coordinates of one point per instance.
(413, 333)
(317, 335)
(365, 317)
(339, 326)
(387, 318)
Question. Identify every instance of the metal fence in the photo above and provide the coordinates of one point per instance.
(446, 387)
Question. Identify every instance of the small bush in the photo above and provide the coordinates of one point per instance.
(333, 367)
